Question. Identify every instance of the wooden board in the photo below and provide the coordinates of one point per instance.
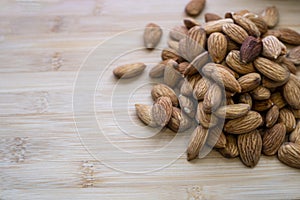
(51, 144)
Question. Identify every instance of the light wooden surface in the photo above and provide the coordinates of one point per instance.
(42, 156)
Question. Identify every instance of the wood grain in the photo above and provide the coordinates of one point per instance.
(42, 45)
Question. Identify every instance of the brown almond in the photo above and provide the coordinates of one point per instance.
(152, 35)
(205, 119)
(178, 32)
(162, 111)
(188, 105)
(271, 69)
(230, 150)
(232, 72)
(211, 17)
(173, 45)
(273, 139)
(190, 22)
(216, 25)
(217, 47)
(158, 70)
(289, 36)
(295, 135)
(179, 122)
(235, 32)
(291, 93)
(250, 145)
(216, 138)
(234, 61)
(169, 53)
(247, 25)
(250, 49)
(201, 88)
(261, 93)
(289, 154)
(232, 111)
(162, 90)
(182, 67)
(213, 98)
(197, 64)
(246, 99)
(271, 16)
(287, 63)
(278, 100)
(189, 85)
(268, 83)
(231, 45)
(129, 70)
(222, 77)
(145, 115)
(195, 7)
(259, 22)
(272, 47)
(171, 75)
(197, 142)
(288, 119)
(198, 35)
(294, 55)
(296, 113)
(189, 49)
(249, 81)
(272, 116)
(244, 124)
(262, 105)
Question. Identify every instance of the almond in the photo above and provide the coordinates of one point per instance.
(250, 145)
(189, 85)
(171, 75)
(295, 135)
(261, 93)
(250, 49)
(289, 36)
(213, 98)
(190, 22)
(169, 53)
(178, 32)
(189, 49)
(291, 93)
(273, 139)
(234, 61)
(216, 25)
(288, 63)
(187, 105)
(272, 116)
(129, 70)
(158, 70)
(162, 111)
(246, 99)
(272, 47)
(197, 142)
(278, 100)
(231, 45)
(235, 32)
(249, 81)
(271, 69)
(294, 55)
(145, 115)
(179, 122)
(152, 35)
(244, 124)
(201, 88)
(268, 83)
(216, 138)
(288, 119)
(296, 113)
(217, 46)
(205, 119)
(289, 154)
(197, 64)
(230, 150)
(211, 17)
(259, 22)
(263, 105)
(271, 16)
(162, 90)
(194, 7)
(232, 111)
(247, 25)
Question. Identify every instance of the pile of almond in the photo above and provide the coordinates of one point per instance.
(232, 80)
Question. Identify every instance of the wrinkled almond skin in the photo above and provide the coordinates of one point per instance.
(273, 139)
(211, 17)
(205, 119)
(194, 7)
(289, 36)
(162, 90)
(179, 122)
(296, 113)
(231, 149)
(291, 93)
(271, 69)
(272, 116)
(295, 135)
(259, 22)
(145, 115)
(152, 35)
(288, 63)
(288, 119)
(260, 93)
(262, 105)
(178, 32)
(247, 25)
(212, 99)
(197, 142)
(235, 32)
(272, 47)
(232, 111)
(189, 85)
(129, 70)
(222, 77)
(216, 25)
(217, 47)
(271, 16)
(201, 88)
(162, 111)
(196, 65)
(198, 35)
(158, 70)
(289, 154)
(246, 98)
(169, 53)
(250, 145)
(250, 49)
(171, 75)
(244, 124)
(188, 105)
(189, 49)
(216, 137)
(234, 61)
(294, 55)
(278, 100)
(268, 83)
(249, 81)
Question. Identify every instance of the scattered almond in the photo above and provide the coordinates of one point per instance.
(129, 70)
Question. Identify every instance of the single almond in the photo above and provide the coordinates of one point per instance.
(205, 119)
(195, 7)
(213, 98)
(211, 17)
(244, 124)
(271, 16)
(289, 154)
(169, 53)
(217, 47)
(250, 145)
(231, 149)
(272, 47)
(295, 135)
(289, 36)
(234, 61)
(249, 81)
(171, 75)
(179, 122)
(245, 98)
(232, 111)
(288, 63)
(162, 111)
(216, 25)
(294, 55)
(235, 32)
(145, 114)
(259, 22)
(162, 90)
(288, 119)
(278, 100)
(271, 69)
(262, 105)
(272, 116)
(197, 142)
(250, 49)
(201, 88)
(273, 139)
(129, 70)
(198, 35)
(271, 84)
(152, 35)
(188, 105)
(261, 93)
(291, 93)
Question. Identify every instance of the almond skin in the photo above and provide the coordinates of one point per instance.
(295, 135)
(201, 88)
(291, 93)
(129, 70)
(271, 16)
(289, 154)
(250, 145)
(289, 36)
(244, 124)
(152, 35)
(235, 32)
(272, 47)
(171, 75)
(178, 32)
(195, 7)
(205, 119)
(273, 139)
(217, 47)
(162, 111)
(235, 62)
(272, 116)
(187, 105)
(211, 17)
(259, 22)
(231, 149)
(216, 137)
(145, 115)
(162, 90)
(197, 142)
(294, 55)
(249, 81)
(190, 22)
(278, 100)
(232, 111)
(288, 119)
(250, 49)
(158, 70)
(216, 25)
(261, 93)
(245, 98)
(247, 25)
(263, 105)
(212, 99)
(179, 122)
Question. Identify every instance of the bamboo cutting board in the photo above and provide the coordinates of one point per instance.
(68, 127)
